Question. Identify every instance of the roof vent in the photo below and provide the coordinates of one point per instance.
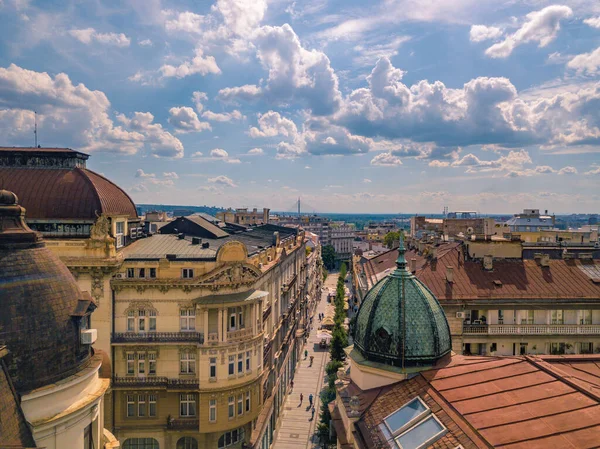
(171, 256)
(205, 245)
(498, 283)
(545, 260)
(181, 236)
(196, 240)
(413, 265)
(450, 274)
(488, 262)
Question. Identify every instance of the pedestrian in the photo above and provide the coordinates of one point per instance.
(301, 398)
(310, 399)
(291, 385)
(312, 357)
(305, 353)
(312, 413)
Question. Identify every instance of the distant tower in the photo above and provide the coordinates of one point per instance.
(35, 128)
(445, 211)
(298, 206)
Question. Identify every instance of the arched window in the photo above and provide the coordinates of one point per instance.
(140, 443)
(187, 443)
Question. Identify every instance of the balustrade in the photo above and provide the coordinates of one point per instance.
(158, 337)
(156, 381)
(239, 335)
(532, 329)
(183, 423)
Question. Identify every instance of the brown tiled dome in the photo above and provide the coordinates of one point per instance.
(66, 193)
(38, 295)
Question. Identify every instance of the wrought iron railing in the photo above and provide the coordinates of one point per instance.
(156, 381)
(532, 329)
(183, 423)
(158, 337)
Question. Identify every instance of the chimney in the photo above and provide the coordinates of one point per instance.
(545, 260)
(196, 240)
(413, 265)
(449, 274)
(488, 262)
(276, 238)
(434, 253)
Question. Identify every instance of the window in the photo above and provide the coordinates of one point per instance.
(187, 319)
(187, 443)
(130, 405)
(187, 362)
(141, 405)
(213, 367)
(421, 435)
(119, 231)
(152, 272)
(140, 443)
(232, 321)
(141, 320)
(529, 317)
(240, 408)
(241, 318)
(142, 273)
(130, 363)
(152, 363)
(187, 273)
(88, 438)
(248, 356)
(231, 407)
(231, 365)
(558, 317)
(240, 358)
(130, 272)
(212, 410)
(500, 316)
(141, 363)
(412, 426)
(152, 320)
(557, 348)
(131, 321)
(231, 437)
(586, 317)
(586, 348)
(187, 404)
(152, 405)
(247, 401)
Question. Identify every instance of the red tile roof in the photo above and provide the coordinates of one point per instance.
(536, 402)
(518, 279)
(72, 194)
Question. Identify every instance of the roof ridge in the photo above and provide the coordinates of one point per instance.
(87, 179)
(87, 170)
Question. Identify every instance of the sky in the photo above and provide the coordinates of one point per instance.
(392, 106)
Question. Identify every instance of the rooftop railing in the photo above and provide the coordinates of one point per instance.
(531, 329)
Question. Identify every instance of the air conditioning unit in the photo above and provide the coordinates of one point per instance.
(88, 336)
(120, 275)
(461, 315)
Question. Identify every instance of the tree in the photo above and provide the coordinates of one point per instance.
(328, 256)
(391, 238)
(339, 341)
(343, 271)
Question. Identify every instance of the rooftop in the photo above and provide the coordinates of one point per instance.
(541, 402)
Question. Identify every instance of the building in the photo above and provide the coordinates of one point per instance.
(405, 388)
(244, 217)
(530, 221)
(165, 304)
(312, 223)
(502, 305)
(341, 238)
(453, 225)
(51, 383)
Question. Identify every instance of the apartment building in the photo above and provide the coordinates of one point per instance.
(341, 238)
(243, 216)
(502, 306)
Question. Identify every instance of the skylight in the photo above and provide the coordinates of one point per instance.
(412, 426)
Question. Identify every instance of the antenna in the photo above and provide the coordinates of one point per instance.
(298, 206)
(35, 127)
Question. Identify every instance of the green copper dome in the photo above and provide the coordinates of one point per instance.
(400, 322)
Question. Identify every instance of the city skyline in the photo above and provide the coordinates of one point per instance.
(394, 107)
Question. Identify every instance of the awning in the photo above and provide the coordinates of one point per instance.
(322, 335)
(328, 321)
(250, 295)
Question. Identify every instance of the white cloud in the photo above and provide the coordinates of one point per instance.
(594, 22)
(187, 22)
(197, 154)
(438, 164)
(367, 181)
(145, 43)
(141, 174)
(222, 117)
(161, 143)
(241, 16)
(223, 181)
(370, 51)
(568, 171)
(185, 120)
(540, 26)
(198, 98)
(198, 64)
(307, 167)
(595, 170)
(386, 160)
(586, 63)
(481, 33)
(272, 124)
(170, 175)
(256, 152)
(89, 35)
(219, 154)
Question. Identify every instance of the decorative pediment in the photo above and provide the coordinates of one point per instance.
(239, 273)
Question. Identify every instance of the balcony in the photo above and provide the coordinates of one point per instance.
(286, 287)
(267, 353)
(266, 313)
(157, 337)
(156, 381)
(183, 424)
(239, 335)
(531, 329)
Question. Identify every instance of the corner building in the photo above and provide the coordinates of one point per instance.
(206, 331)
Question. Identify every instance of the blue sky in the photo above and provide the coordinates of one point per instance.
(398, 106)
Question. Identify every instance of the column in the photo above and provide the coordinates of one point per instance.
(220, 325)
(224, 322)
(206, 324)
(253, 318)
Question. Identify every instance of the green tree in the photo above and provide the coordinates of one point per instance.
(343, 271)
(391, 238)
(328, 256)
(339, 341)
(325, 273)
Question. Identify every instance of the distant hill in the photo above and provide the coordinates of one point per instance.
(143, 208)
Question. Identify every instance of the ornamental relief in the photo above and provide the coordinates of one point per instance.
(134, 306)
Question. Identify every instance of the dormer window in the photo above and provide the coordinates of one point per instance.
(187, 273)
(119, 233)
